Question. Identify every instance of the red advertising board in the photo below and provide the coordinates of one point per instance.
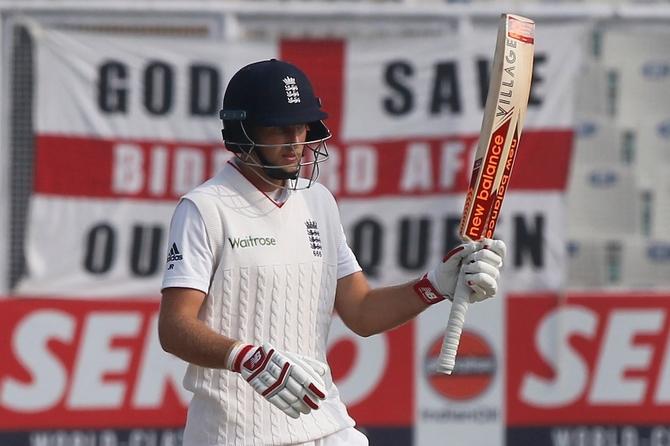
(588, 359)
(93, 364)
(85, 364)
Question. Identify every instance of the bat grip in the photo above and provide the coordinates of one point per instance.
(452, 336)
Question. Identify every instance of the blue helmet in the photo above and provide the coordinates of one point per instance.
(270, 93)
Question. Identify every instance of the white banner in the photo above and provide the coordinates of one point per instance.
(108, 250)
(167, 88)
(398, 239)
(422, 86)
(127, 125)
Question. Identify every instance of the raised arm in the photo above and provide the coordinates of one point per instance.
(368, 311)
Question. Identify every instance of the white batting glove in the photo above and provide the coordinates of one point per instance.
(291, 382)
(480, 262)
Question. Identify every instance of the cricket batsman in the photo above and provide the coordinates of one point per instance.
(257, 264)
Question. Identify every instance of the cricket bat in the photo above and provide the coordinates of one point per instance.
(506, 103)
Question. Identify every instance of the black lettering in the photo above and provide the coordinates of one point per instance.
(205, 90)
(112, 87)
(413, 247)
(446, 91)
(484, 74)
(100, 246)
(158, 87)
(367, 245)
(535, 99)
(395, 76)
(529, 241)
(145, 250)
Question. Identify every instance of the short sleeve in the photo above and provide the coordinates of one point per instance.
(190, 260)
(346, 260)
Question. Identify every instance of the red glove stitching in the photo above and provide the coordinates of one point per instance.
(310, 403)
(316, 391)
(279, 384)
(452, 253)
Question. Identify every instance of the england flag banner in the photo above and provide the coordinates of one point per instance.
(125, 126)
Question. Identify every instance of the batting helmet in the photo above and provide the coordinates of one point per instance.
(269, 93)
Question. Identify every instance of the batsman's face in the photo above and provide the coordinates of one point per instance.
(288, 145)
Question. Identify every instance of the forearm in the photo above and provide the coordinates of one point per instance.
(292, 383)
(194, 342)
(388, 307)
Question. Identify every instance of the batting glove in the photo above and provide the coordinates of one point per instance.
(291, 382)
(480, 262)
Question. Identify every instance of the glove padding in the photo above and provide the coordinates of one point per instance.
(480, 262)
(291, 382)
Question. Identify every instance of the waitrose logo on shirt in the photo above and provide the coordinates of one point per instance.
(250, 242)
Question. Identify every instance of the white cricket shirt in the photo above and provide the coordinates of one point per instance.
(270, 272)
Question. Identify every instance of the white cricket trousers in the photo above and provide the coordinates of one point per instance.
(345, 437)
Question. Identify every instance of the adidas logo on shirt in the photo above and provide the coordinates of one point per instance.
(174, 254)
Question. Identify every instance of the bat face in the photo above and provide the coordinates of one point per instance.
(483, 191)
(505, 109)
(506, 104)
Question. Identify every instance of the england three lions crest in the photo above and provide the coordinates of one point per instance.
(314, 238)
(291, 89)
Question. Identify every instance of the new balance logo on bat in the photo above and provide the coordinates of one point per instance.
(174, 254)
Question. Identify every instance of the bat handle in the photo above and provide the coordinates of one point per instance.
(452, 336)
